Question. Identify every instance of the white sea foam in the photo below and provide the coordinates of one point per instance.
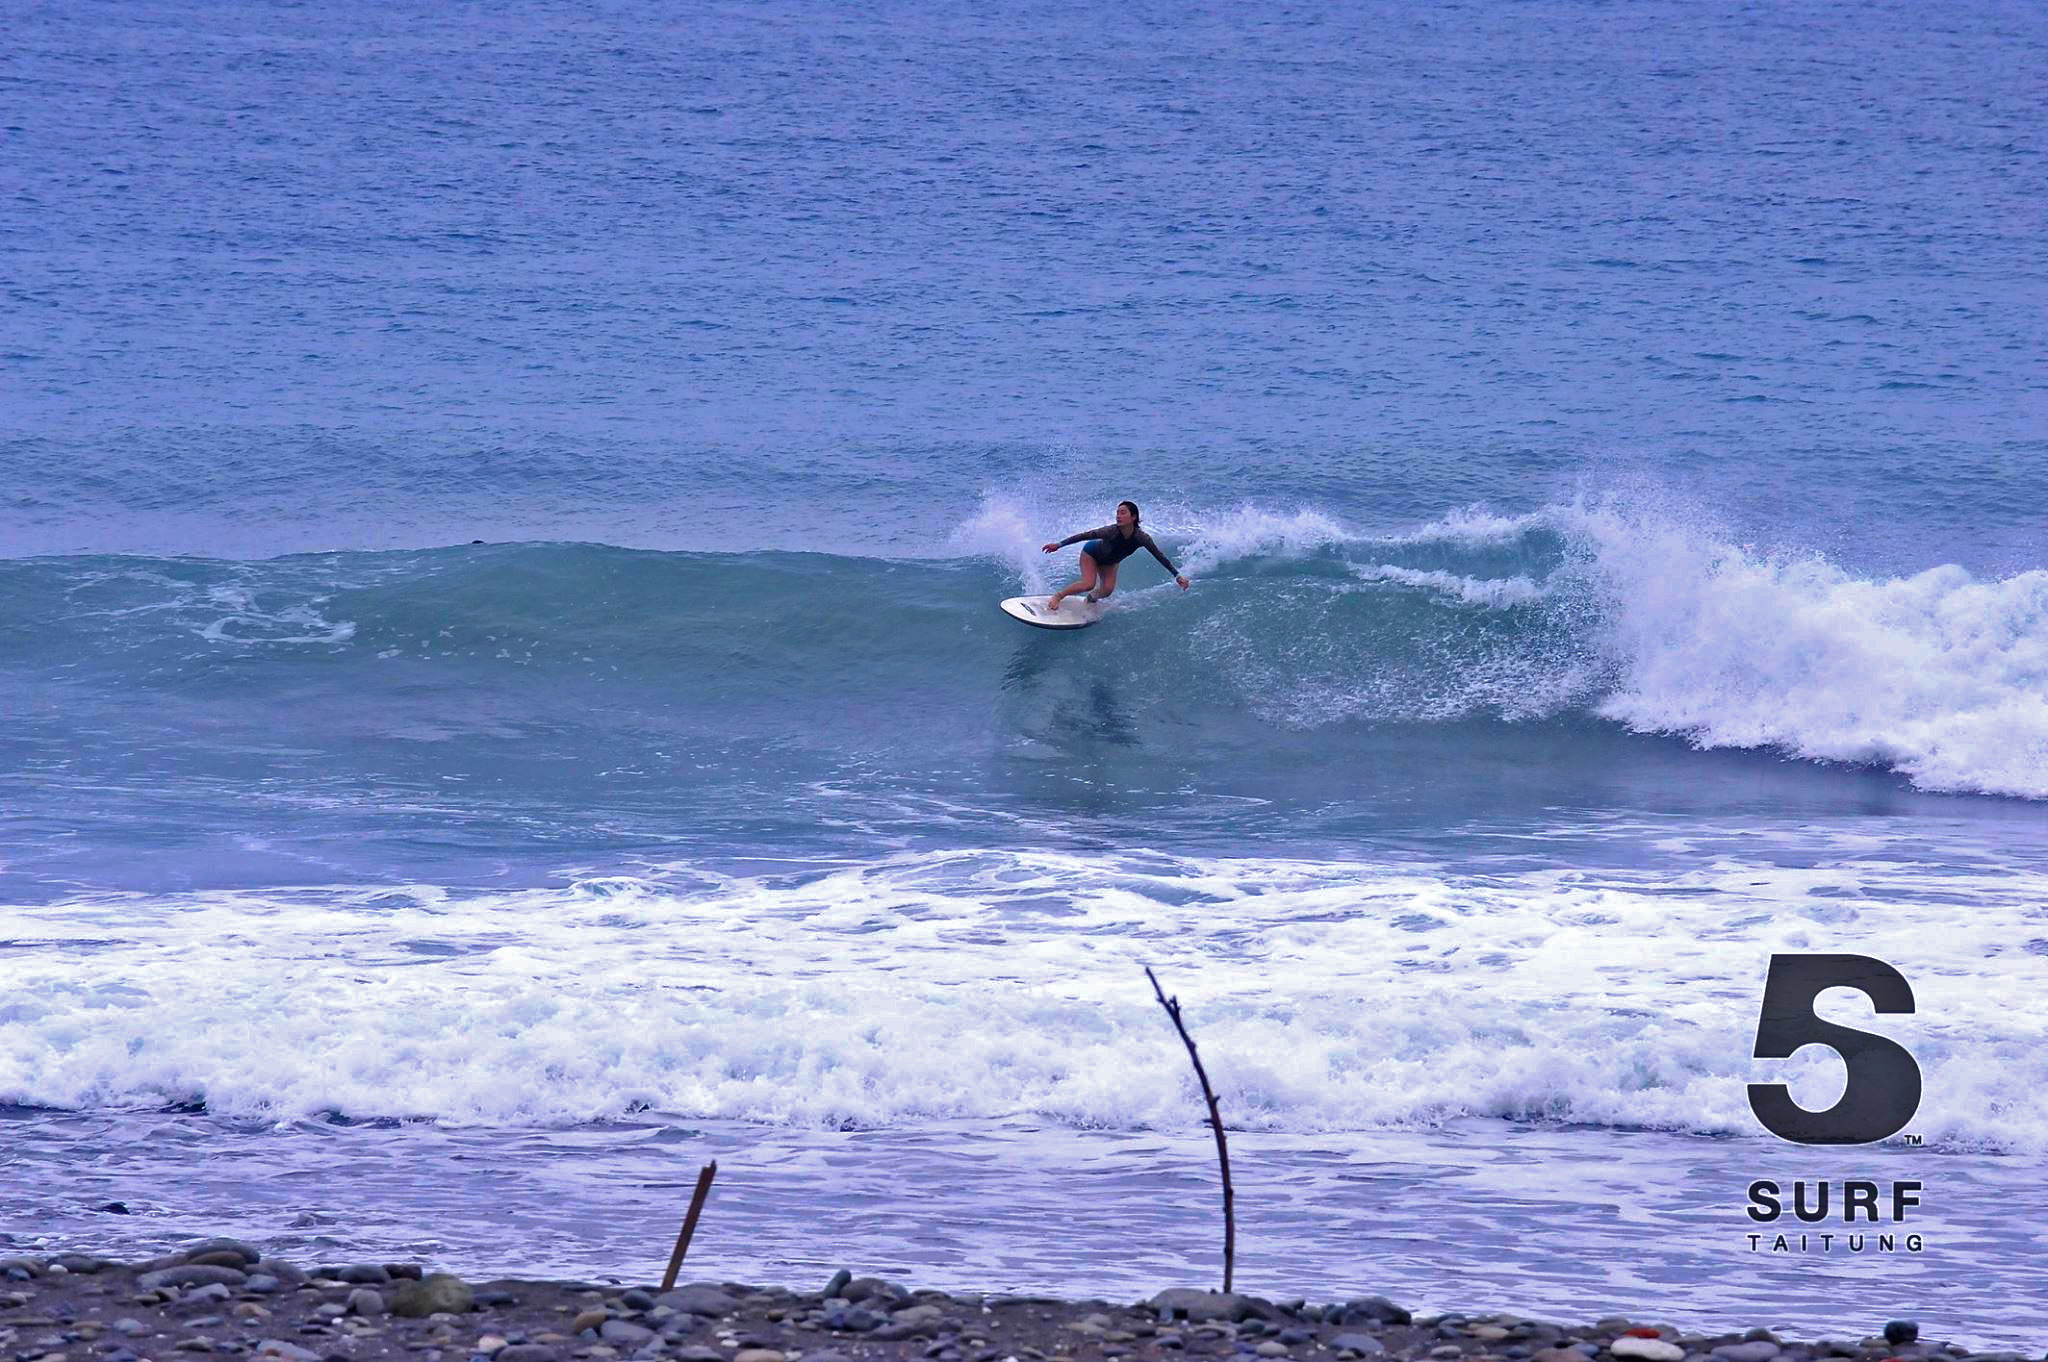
(1206, 540)
(1475, 527)
(1326, 996)
(1667, 625)
(1219, 538)
(1495, 593)
(1938, 675)
(1010, 535)
(249, 620)
(258, 604)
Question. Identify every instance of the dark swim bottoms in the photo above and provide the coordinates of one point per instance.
(1093, 548)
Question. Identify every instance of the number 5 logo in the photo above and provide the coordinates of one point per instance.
(1884, 1082)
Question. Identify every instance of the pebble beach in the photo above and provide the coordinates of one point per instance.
(223, 1296)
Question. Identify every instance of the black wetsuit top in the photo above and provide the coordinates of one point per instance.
(1116, 546)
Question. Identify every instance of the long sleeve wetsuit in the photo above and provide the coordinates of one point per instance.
(1115, 546)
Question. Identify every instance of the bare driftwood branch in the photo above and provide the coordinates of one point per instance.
(1172, 1006)
(675, 1262)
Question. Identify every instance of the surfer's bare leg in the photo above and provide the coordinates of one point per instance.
(1106, 584)
(1086, 583)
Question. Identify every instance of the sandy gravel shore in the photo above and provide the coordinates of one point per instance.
(221, 1296)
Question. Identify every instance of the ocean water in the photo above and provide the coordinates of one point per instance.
(503, 702)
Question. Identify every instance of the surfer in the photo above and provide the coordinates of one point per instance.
(1106, 548)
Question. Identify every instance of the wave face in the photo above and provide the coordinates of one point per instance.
(580, 658)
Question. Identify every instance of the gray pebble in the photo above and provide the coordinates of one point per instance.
(437, 1293)
(620, 1332)
(1746, 1352)
(285, 1352)
(262, 1284)
(875, 1289)
(248, 1253)
(525, 1352)
(1378, 1309)
(1364, 1344)
(219, 1258)
(203, 1295)
(365, 1301)
(699, 1298)
(192, 1276)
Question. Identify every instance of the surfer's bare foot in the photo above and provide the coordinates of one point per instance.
(1052, 603)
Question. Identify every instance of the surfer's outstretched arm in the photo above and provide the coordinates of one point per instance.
(1059, 544)
(1164, 561)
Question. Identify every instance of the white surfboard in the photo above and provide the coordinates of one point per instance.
(1075, 612)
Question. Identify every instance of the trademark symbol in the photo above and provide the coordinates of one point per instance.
(1914, 1140)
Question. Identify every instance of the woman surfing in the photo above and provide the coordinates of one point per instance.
(1106, 548)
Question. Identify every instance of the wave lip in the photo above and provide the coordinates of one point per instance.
(1939, 676)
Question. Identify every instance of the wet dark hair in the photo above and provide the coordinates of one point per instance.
(1136, 519)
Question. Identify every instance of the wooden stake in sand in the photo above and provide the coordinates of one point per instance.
(675, 1262)
(1172, 1006)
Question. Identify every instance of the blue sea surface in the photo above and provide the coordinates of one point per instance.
(501, 517)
